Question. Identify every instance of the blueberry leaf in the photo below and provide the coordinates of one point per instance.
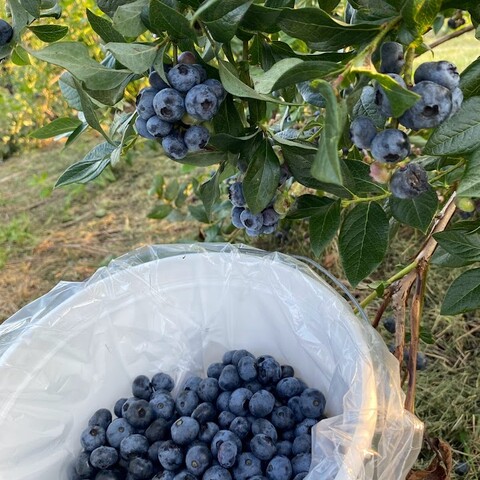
(165, 18)
(104, 28)
(463, 295)
(323, 227)
(462, 244)
(57, 127)
(308, 205)
(136, 57)
(459, 134)
(417, 212)
(160, 211)
(49, 33)
(470, 182)
(366, 107)
(127, 19)
(470, 80)
(419, 15)
(261, 18)
(209, 193)
(444, 259)
(363, 240)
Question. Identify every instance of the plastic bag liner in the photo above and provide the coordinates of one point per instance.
(178, 308)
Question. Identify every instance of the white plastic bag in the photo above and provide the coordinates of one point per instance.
(178, 308)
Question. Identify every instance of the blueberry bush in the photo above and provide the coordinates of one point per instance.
(301, 110)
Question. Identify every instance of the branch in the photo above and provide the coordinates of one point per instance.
(448, 37)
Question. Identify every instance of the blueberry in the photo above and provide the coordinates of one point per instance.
(240, 426)
(302, 444)
(431, 109)
(443, 73)
(184, 430)
(409, 181)
(196, 138)
(457, 100)
(165, 475)
(183, 77)
(312, 403)
(269, 369)
(139, 414)
(162, 381)
(270, 217)
(225, 418)
(247, 466)
(254, 386)
(201, 102)
(117, 431)
(140, 468)
(174, 147)
(301, 463)
(156, 81)
(421, 361)
(170, 455)
(392, 58)
(198, 459)
(192, 384)
(236, 212)
(109, 475)
(117, 409)
(153, 450)
(169, 105)
(362, 132)
(92, 438)
(163, 405)
(186, 402)
(262, 425)
(82, 465)
(284, 447)
(134, 445)
(252, 221)
(381, 99)
(235, 194)
(187, 57)
(102, 418)
(282, 418)
(227, 454)
(141, 128)
(208, 431)
(215, 369)
(205, 412)
(389, 324)
(208, 389)
(288, 435)
(224, 436)
(261, 404)
(222, 400)
(141, 387)
(202, 72)
(462, 468)
(229, 379)
(239, 401)
(254, 232)
(279, 468)
(227, 357)
(159, 429)
(390, 146)
(104, 457)
(157, 127)
(144, 103)
(217, 88)
(294, 405)
(305, 426)
(263, 447)
(217, 473)
(184, 475)
(6, 32)
(288, 387)
(300, 476)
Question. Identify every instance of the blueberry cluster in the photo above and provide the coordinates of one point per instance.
(254, 223)
(6, 32)
(172, 113)
(251, 418)
(440, 97)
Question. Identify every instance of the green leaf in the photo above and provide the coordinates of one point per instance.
(444, 259)
(290, 71)
(69, 91)
(198, 213)
(360, 174)
(203, 159)
(417, 212)
(459, 134)
(308, 205)
(323, 227)
(326, 166)
(209, 193)
(236, 87)
(88, 110)
(165, 18)
(328, 5)
(56, 127)
(261, 179)
(127, 19)
(73, 56)
(20, 56)
(229, 143)
(20, 19)
(76, 134)
(104, 28)
(470, 80)
(135, 56)
(49, 33)
(261, 18)
(160, 211)
(470, 182)
(110, 6)
(366, 107)
(463, 294)
(89, 168)
(316, 26)
(280, 3)
(419, 15)
(460, 243)
(363, 240)
(32, 7)
(227, 119)
(112, 96)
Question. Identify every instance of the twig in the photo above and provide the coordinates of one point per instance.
(387, 297)
(448, 37)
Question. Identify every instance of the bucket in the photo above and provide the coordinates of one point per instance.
(178, 308)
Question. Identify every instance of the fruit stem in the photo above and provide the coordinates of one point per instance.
(175, 53)
(408, 70)
(446, 172)
(346, 203)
